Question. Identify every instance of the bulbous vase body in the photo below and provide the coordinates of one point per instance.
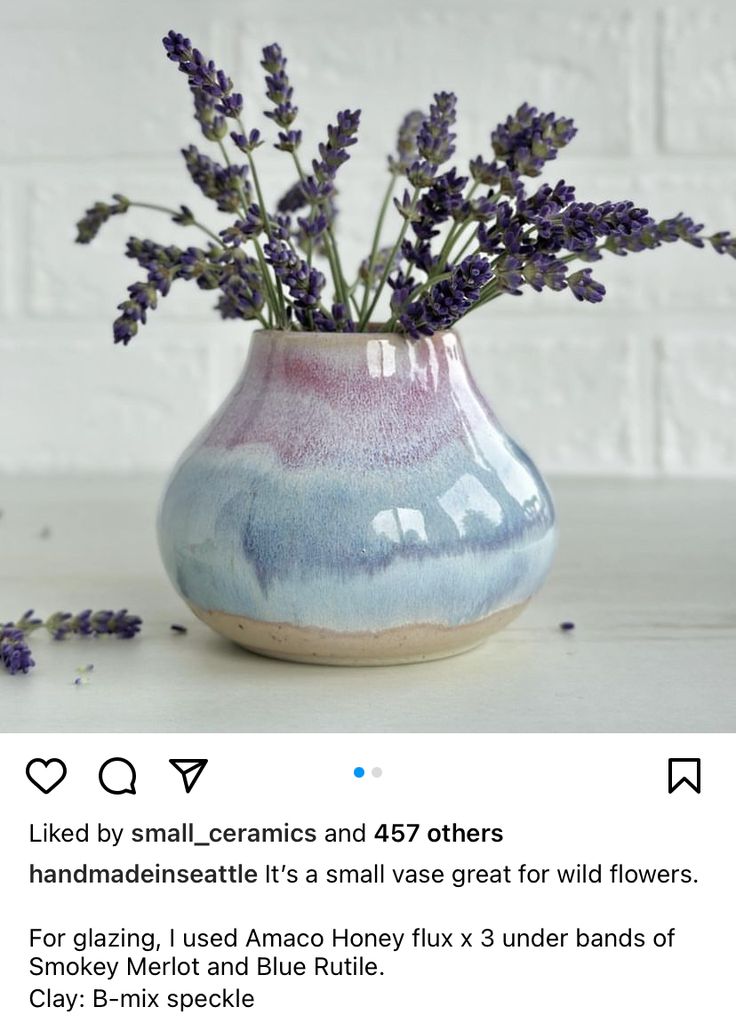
(355, 501)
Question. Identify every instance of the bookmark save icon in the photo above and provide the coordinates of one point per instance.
(190, 770)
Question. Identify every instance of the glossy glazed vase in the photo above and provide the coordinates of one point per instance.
(355, 501)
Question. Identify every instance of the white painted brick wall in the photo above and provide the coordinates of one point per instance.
(644, 384)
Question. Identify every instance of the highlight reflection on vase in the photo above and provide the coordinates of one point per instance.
(354, 500)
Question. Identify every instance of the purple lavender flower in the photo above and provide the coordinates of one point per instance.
(508, 274)
(419, 254)
(406, 142)
(178, 47)
(247, 227)
(303, 282)
(441, 201)
(435, 140)
(242, 294)
(98, 215)
(337, 320)
(227, 186)
(445, 302)
(294, 199)
(279, 90)
(318, 188)
(486, 173)
(724, 243)
(289, 141)
(212, 89)
(15, 654)
(247, 142)
(521, 239)
(584, 287)
(63, 624)
(203, 74)
(528, 139)
(213, 124)
(340, 137)
(544, 271)
(371, 276)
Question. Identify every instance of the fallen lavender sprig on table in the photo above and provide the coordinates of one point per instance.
(461, 241)
(16, 654)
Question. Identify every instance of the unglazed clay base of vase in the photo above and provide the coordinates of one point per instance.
(400, 645)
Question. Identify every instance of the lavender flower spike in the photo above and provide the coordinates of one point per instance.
(15, 654)
(94, 623)
(303, 283)
(406, 142)
(435, 140)
(279, 90)
(97, 215)
(528, 139)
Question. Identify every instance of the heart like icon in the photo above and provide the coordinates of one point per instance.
(46, 774)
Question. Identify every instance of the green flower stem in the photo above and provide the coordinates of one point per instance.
(173, 213)
(455, 230)
(365, 318)
(376, 244)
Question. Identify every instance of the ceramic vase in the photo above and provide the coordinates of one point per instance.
(355, 501)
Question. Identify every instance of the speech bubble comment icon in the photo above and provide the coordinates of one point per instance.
(117, 776)
(46, 774)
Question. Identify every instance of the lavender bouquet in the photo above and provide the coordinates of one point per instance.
(462, 240)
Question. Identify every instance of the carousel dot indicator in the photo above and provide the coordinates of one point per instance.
(376, 772)
(359, 772)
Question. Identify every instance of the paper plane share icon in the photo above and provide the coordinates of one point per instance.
(190, 770)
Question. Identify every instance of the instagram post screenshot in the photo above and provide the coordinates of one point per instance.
(367, 511)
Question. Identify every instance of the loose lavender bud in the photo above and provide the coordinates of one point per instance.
(584, 288)
(97, 215)
(279, 89)
(228, 186)
(15, 654)
(406, 142)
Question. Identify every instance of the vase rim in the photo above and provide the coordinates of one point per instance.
(338, 336)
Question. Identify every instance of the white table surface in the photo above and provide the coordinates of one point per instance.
(646, 570)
